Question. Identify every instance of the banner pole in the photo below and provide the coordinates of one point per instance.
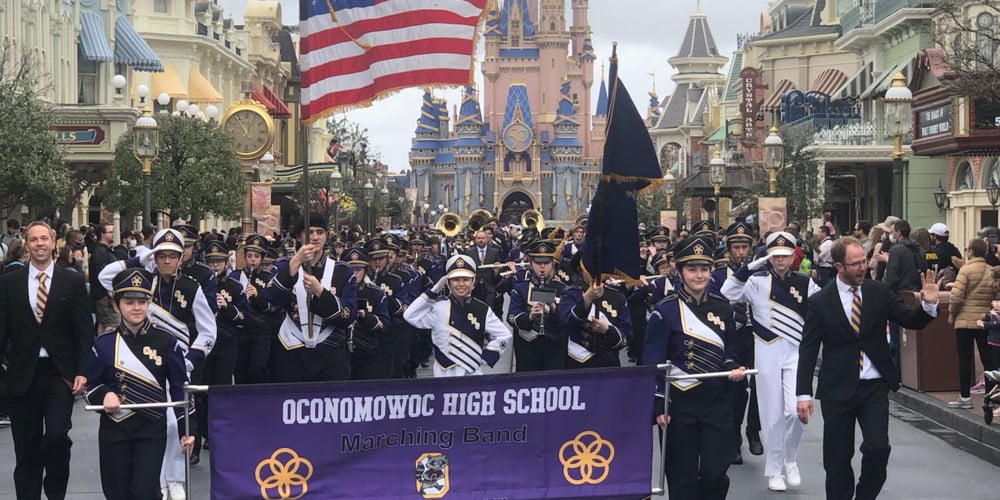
(663, 435)
(187, 432)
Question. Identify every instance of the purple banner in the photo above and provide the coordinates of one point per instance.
(565, 434)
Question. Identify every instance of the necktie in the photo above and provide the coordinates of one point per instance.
(856, 323)
(482, 255)
(41, 297)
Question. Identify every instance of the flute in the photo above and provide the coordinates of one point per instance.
(614, 282)
(497, 265)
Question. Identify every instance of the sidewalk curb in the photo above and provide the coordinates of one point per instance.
(984, 440)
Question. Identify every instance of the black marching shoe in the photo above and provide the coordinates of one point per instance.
(738, 458)
(195, 459)
(753, 442)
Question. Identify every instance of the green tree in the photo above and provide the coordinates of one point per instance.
(196, 172)
(30, 159)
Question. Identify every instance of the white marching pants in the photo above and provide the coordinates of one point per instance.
(173, 458)
(777, 364)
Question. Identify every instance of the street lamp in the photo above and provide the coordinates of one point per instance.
(941, 197)
(993, 193)
(265, 167)
(426, 207)
(145, 147)
(774, 157)
(369, 193)
(899, 121)
(717, 176)
(333, 191)
(669, 184)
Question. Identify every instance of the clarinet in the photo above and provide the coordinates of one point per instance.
(541, 317)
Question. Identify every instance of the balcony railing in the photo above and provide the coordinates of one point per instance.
(871, 12)
(883, 8)
(850, 132)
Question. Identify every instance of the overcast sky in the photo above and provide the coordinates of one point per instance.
(648, 33)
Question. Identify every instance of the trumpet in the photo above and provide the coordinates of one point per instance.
(499, 265)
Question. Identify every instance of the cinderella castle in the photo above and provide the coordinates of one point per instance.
(528, 140)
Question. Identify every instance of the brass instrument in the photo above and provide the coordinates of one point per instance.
(478, 218)
(533, 218)
(450, 224)
(581, 220)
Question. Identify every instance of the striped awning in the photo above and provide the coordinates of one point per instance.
(275, 106)
(132, 50)
(774, 101)
(93, 39)
(856, 85)
(877, 89)
(200, 90)
(828, 81)
(168, 82)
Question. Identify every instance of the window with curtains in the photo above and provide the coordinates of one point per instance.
(963, 177)
(160, 6)
(86, 77)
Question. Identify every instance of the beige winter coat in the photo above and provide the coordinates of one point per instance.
(971, 294)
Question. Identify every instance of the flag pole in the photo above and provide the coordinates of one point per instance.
(602, 203)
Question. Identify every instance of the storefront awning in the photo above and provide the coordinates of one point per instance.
(93, 39)
(168, 82)
(856, 85)
(774, 101)
(877, 89)
(828, 81)
(200, 90)
(275, 107)
(132, 50)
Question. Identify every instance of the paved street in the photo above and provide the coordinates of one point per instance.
(925, 465)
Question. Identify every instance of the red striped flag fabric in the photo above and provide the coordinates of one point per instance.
(355, 51)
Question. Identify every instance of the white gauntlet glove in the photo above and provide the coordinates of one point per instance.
(759, 263)
(439, 286)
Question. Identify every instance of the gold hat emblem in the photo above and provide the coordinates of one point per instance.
(355, 256)
(376, 246)
(137, 281)
(780, 240)
(740, 230)
(169, 236)
(698, 249)
(460, 263)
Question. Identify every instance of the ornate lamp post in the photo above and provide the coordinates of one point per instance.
(369, 193)
(774, 158)
(145, 147)
(898, 122)
(717, 176)
(426, 207)
(669, 185)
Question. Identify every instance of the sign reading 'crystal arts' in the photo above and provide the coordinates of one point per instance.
(749, 104)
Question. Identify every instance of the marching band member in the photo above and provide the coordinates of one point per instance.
(197, 270)
(540, 343)
(393, 286)
(465, 332)
(597, 322)
(739, 241)
(643, 297)
(693, 329)
(231, 322)
(660, 237)
(371, 341)
(254, 342)
(180, 307)
(319, 299)
(777, 299)
(137, 363)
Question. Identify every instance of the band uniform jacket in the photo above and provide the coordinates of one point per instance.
(583, 344)
(465, 333)
(260, 311)
(199, 272)
(331, 313)
(179, 306)
(66, 330)
(827, 325)
(694, 337)
(518, 314)
(232, 317)
(779, 305)
(140, 368)
(370, 335)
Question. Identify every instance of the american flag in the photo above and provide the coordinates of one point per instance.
(356, 51)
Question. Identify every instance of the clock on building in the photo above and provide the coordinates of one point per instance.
(250, 127)
(517, 137)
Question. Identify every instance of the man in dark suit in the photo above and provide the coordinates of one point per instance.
(848, 317)
(45, 313)
(485, 288)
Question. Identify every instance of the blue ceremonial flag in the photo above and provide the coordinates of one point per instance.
(630, 166)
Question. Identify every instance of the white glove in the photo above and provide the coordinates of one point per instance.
(147, 259)
(190, 367)
(439, 286)
(759, 263)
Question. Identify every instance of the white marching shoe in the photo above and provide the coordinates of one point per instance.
(776, 483)
(176, 491)
(792, 476)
